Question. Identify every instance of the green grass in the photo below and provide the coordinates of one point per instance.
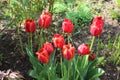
(80, 17)
(115, 54)
(112, 49)
(114, 14)
(118, 3)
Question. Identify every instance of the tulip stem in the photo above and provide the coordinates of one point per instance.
(93, 38)
(40, 38)
(76, 66)
(31, 42)
(48, 72)
(69, 65)
(47, 68)
(20, 40)
(68, 38)
(61, 66)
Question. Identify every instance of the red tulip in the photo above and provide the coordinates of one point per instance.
(30, 25)
(96, 26)
(83, 49)
(68, 51)
(67, 26)
(58, 40)
(45, 19)
(98, 21)
(43, 56)
(92, 57)
(48, 46)
(95, 30)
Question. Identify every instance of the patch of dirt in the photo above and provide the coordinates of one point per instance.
(10, 50)
(111, 72)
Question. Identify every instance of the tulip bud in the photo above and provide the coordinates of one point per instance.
(68, 51)
(95, 30)
(30, 25)
(92, 57)
(48, 46)
(58, 40)
(98, 20)
(83, 49)
(45, 19)
(67, 26)
(96, 26)
(43, 56)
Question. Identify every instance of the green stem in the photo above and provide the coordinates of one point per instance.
(35, 38)
(68, 38)
(93, 38)
(76, 64)
(31, 42)
(40, 38)
(61, 65)
(47, 68)
(48, 72)
(69, 65)
(21, 43)
(28, 38)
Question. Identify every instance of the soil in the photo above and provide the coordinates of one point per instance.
(10, 47)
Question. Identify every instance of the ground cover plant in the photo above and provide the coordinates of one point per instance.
(59, 40)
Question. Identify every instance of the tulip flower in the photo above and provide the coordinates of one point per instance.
(58, 40)
(43, 56)
(95, 30)
(68, 51)
(48, 46)
(83, 49)
(98, 20)
(67, 26)
(92, 57)
(45, 19)
(96, 26)
(30, 25)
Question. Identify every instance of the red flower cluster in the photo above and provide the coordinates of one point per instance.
(44, 21)
(96, 26)
(67, 50)
(58, 40)
(44, 52)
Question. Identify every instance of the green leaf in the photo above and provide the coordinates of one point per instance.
(65, 76)
(59, 7)
(84, 64)
(34, 61)
(33, 74)
(96, 62)
(94, 73)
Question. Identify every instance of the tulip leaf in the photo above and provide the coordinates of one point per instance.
(34, 61)
(41, 41)
(65, 76)
(96, 62)
(83, 66)
(94, 73)
(33, 74)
